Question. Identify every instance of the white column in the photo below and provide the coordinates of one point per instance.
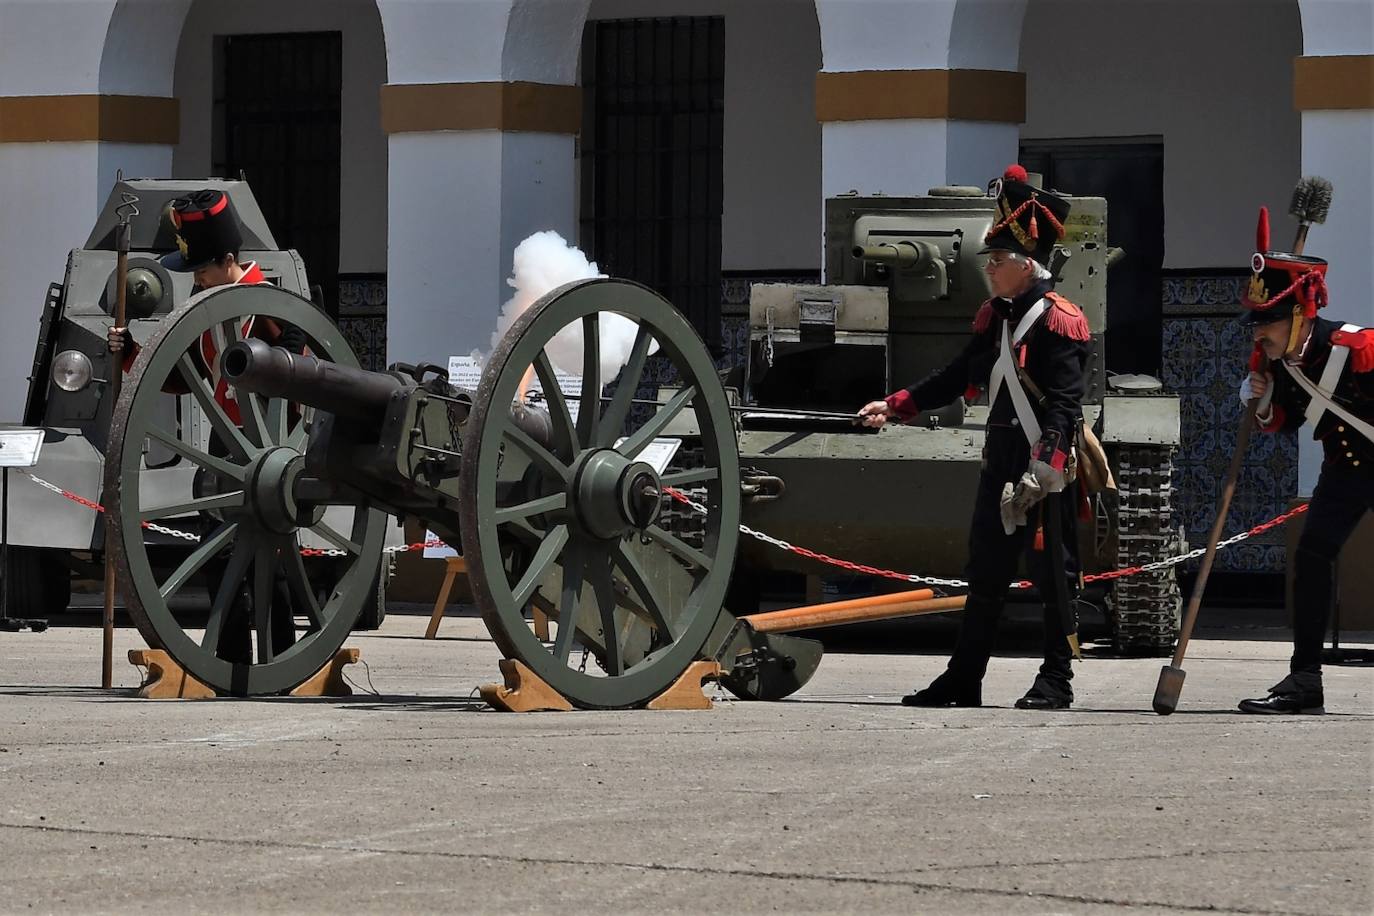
(461, 200)
(49, 192)
(908, 156)
(1338, 144)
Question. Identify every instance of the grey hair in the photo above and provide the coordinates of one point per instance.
(1038, 270)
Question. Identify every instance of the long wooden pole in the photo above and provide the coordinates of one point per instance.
(1171, 676)
(1228, 490)
(855, 610)
(116, 377)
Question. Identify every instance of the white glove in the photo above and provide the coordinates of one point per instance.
(1245, 392)
(1018, 500)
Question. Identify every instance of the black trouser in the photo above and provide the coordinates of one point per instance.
(993, 560)
(1342, 497)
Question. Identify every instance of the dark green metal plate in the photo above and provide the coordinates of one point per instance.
(761, 666)
(537, 522)
(237, 519)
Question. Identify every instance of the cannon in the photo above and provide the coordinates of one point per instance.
(553, 503)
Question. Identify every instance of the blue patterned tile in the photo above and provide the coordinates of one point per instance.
(1205, 353)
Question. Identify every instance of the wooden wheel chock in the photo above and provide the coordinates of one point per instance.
(166, 680)
(525, 691)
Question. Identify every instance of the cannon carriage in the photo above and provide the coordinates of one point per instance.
(553, 504)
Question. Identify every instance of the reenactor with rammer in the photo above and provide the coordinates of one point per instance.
(1029, 349)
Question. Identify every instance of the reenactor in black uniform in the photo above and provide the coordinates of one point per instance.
(1321, 373)
(1029, 345)
(208, 237)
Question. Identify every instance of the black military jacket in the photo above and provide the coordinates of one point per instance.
(1055, 356)
(1354, 391)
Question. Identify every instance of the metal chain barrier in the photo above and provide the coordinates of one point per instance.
(779, 543)
(195, 538)
(960, 583)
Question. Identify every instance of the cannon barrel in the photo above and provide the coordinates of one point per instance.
(276, 372)
(896, 254)
(355, 394)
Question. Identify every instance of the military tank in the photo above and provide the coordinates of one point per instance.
(904, 286)
(52, 537)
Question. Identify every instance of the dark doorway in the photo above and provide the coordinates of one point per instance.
(651, 157)
(1130, 175)
(279, 110)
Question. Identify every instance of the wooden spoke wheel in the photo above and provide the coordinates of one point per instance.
(237, 500)
(569, 527)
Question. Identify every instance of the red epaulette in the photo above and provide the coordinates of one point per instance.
(1361, 344)
(983, 320)
(1066, 319)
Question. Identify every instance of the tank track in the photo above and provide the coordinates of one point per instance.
(683, 521)
(1144, 610)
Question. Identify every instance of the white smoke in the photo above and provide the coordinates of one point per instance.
(544, 262)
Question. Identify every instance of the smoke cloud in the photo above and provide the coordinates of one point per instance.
(544, 262)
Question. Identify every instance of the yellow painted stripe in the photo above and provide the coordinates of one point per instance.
(1338, 82)
(515, 106)
(67, 118)
(887, 95)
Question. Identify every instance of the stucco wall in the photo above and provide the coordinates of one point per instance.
(1215, 80)
(772, 142)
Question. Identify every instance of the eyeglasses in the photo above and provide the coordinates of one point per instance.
(994, 263)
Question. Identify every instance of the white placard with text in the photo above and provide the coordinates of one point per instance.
(466, 372)
(19, 447)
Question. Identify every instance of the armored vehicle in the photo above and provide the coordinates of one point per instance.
(905, 283)
(52, 536)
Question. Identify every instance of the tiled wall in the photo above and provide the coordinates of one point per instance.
(362, 317)
(1205, 353)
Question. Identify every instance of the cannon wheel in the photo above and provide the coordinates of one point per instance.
(249, 515)
(574, 511)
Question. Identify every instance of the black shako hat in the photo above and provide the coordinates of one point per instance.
(1029, 221)
(1282, 284)
(207, 228)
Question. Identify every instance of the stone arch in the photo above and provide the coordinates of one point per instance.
(543, 41)
(139, 54)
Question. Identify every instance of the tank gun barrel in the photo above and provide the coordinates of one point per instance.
(275, 372)
(894, 254)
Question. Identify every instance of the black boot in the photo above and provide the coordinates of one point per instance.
(1051, 689)
(1034, 699)
(947, 690)
(1299, 693)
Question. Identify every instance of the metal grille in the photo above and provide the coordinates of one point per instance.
(279, 110)
(651, 157)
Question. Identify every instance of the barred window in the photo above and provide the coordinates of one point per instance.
(651, 157)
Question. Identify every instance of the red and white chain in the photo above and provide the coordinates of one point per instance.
(779, 543)
(1156, 566)
(195, 538)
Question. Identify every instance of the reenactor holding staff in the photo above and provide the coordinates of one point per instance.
(1321, 374)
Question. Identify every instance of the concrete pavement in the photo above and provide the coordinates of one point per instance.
(421, 800)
